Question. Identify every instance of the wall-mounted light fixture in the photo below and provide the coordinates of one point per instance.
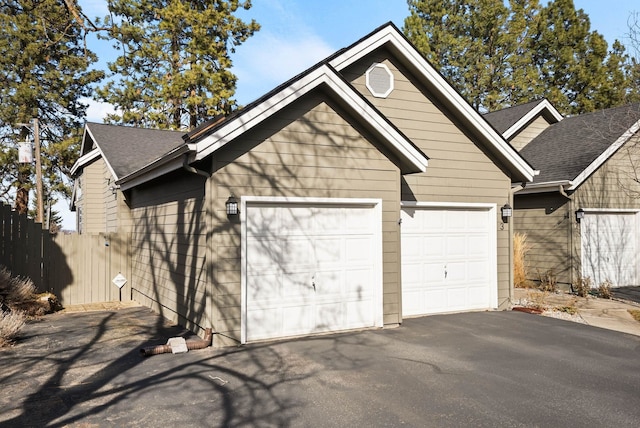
(506, 212)
(232, 205)
(579, 215)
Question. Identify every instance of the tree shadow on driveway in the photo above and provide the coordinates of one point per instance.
(86, 368)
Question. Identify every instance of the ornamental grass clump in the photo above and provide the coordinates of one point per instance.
(15, 292)
(520, 249)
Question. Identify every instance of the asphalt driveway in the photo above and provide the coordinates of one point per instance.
(474, 369)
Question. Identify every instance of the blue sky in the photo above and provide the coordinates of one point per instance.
(296, 34)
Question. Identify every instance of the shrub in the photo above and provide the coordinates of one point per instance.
(17, 301)
(582, 286)
(14, 289)
(548, 280)
(11, 322)
(520, 249)
(604, 289)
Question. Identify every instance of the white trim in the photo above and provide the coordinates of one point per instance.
(322, 75)
(605, 155)
(470, 205)
(390, 35)
(154, 170)
(491, 209)
(368, 81)
(106, 161)
(375, 204)
(84, 160)
(610, 210)
(549, 186)
(532, 114)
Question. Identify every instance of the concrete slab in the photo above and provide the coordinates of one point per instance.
(612, 314)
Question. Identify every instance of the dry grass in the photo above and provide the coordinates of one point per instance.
(19, 302)
(520, 249)
(582, 286)
(604, 290)
(10, 325)
(635, 313)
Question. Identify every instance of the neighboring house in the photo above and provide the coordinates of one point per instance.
(588, 168)
(368, 190)
(107, 154)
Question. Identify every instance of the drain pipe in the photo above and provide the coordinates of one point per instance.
(187, 167)
(191, 345)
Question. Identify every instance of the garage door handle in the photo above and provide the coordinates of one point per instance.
(313, 282)
(445, 272)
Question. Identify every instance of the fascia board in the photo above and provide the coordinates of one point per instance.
(549, 186)
(539, 109)
(84, 160)
(322, 75)
(106, 161)
(161, 166)
(604, 156)
(389, 35)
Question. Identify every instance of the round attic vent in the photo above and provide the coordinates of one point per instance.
(379, 80)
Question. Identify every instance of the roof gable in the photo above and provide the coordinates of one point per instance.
(389, 37)
(207, 139)
(350, 99)
(510, 121)
(574, 148)
(125, 149)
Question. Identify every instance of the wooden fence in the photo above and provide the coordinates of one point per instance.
(78, 269)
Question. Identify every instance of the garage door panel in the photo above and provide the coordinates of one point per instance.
(357, 282)
(447, 261)
(609, 248)
(324, 256)
(266, 252)
(432, 245)
(265, 286)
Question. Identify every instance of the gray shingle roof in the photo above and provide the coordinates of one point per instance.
(565, 149)
(504, 119)
(128, 149)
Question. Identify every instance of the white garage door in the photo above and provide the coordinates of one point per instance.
(448, 260)
(609, 248)
(311, 269)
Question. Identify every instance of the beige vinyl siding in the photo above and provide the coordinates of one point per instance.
(546, 219)
(529, 132)
(458, 171)
(613, 185)
(93, 203)
(310, 149)
(169, 248)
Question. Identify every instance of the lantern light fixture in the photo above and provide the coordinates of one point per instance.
(579, 215)
(506, 212)
(232, 206)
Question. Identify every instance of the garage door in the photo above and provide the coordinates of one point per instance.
(311, 269)
(609, 248)
(448, 261)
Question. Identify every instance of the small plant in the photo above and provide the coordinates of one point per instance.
(520, 249)
(18, 302)
(571, 310)
(10, 325)
(604, 289)
(548, 281)
(635, 313)
(582, 286)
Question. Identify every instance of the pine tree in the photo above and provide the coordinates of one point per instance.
(174, 69)
(500, 55)
(44, 74)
